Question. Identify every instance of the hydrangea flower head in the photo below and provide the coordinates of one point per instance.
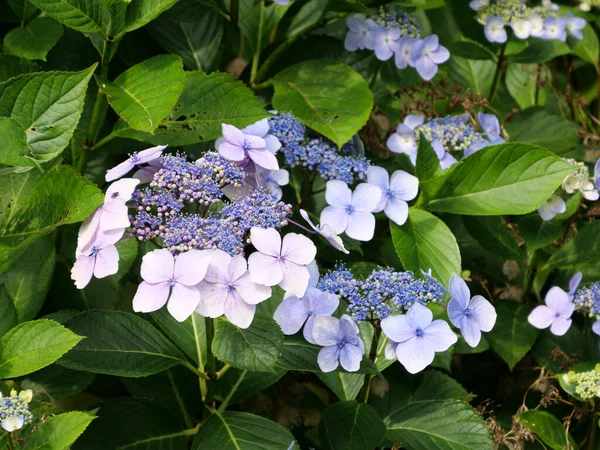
(556, 313)
(227, 289)
(470, 315)
(575, 25)
(171, 278)
(341, 343)
(418, 337)
(294, 312)
(14, 410)
(580, 181)
(396, 191)
(351, 212)
(136, 159)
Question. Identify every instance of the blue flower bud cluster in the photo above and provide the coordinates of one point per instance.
(589, 298)
(15, 406)
(304, 148)
(454, 132)
(382, 291)
(394, 17)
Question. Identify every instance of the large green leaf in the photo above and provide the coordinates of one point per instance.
(119, 343)
(513, 336)
(32, 346)
(440, 424)
(345, 386)
(48, 106)
(238, 385)
(587, 48)
(436, 385)
(191, 31)
(22, 8)
(241, 431)
(32, 210)
(8, 313)
(189, 335)
(548, 428)
(522, 84)
(493, 235)
(27, 281)
(207, 102)
(59, 432)
(35, 40)
(15, 151)
(351, 425)
(579, 252)
(327, 96)
(425, 242)
(255, 348)
(57, 382)
(497, 180)
(86, 16)
(137, 13)
(12, 66)
(537, 232)
(146, 93)
(133, 424)
(474, 74)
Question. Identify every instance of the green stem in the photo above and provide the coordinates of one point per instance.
(186, 416)
(537, 84)
(594, 430)
(530, 273)
(374, 78)
(256, 59)
(498, 72)
(234, 12)
(367, 387)
(223, 371)
(11, 445)
(232, 391)
(96, 120)
(199, 374)
(105, 140)
(203, 387)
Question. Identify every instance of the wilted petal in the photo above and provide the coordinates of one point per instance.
(157, 266)
(150, 297)
(350, 357)
(541, 317)
(328, 358)
(183, 301)
(325, 330)
(414, 354)
(290, 315)
(361, 226)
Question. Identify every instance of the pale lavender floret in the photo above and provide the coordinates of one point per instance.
(171, 278)
(596, 327)
(494, 29)
(341, 343)
(282, 2)
(360, 34)
(470, 315)
(136, 159)
(146, 173)
(281, 262)
(427, 54)
(403, 141)
(537, 25)
(396, 191)
(294, 312)
(555, 28)
(446, 158)
(574, 283)
(351, 212)
(403, 54)
(236, 145)
(575, 25)
(99, 257)
(556, 313)
(597, 174)
(553, 206)
(478, 4)
(386, 42)
(272, 180)
(327, 232)
(490, 125)
(418, 337)
(227, 290)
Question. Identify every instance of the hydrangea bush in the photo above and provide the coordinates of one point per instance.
(299, 224)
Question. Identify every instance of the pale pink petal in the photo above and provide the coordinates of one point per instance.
(266, 241)
(119, 170)
(233, 135)
(191, 266)
(150, 154)
(264, 269)
(264, 158)
(254, 142)
(157, 266)
(231, 152)
(150, 297)
(114, 217)
(107, 262)
(237, 268)
(121, 190)
(298, 249)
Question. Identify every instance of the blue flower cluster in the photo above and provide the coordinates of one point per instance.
(381, 292)
(589, 298)
(303, 148)
(456, 133)
(15, 406)
(176, 206)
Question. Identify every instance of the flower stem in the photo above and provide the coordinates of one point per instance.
(223, 405)
(499, 68)
(256, 59)
(375, 75)
(223, 371)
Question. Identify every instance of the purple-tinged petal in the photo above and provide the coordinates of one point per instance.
(239, 312)
(328, 358)
(313, 272)
(338, 194)
(382, 51)
(298, 249)
(379, 177)
(541, 317)
(272, 143)
(403, 140)
(350, 357)
(597, 174)
(490, 125)
(295, 278)
(440, 55)
(397, 328)
(88, 229)
(212, 299)
(260, 128)
(439, 336)
(191, 266)
(266, 241)
(574, 282)
(325, 330)
(413, 120)
(559, 302)
(355, 23)
(483, 313)
(115, 216)
(231, 152)
(426, 67)
(456, 312)
(291, 314)
(107, 262)
(150, 297)
(397, 211)
(336, 218)
(404, 185)
(264, 269)
(119, 170)
(264, 158)
(447, 161)
(183, 301)
(150, 154)
(560, 326)
(321, 303)
(236, 269)
(120, 191)
(470, 332)
(233, 135)
(354, 41)
(252, 293)
(414, 354)
(390, 350)
(361, 226)
(218, 268)
(459, 290)
(366, 197)
(419, 316)
(596, 327)
(157, 266)
(254, 142)
(553, 206)
(82, 270)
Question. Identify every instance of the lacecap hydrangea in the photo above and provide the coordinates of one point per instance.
(391, 31)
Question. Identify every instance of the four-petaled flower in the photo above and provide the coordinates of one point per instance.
(341, 343)
(397, 190)
(99, 258)
(351, 212)
(426, 54)
(494, 29)
(386, 42)
(418, 338)
(360, 35)
(281, 262)
(470, 315)
(237, 145)
(556, 313)
(171, 278)
(293, 312)
(227, 289)
(136, 159)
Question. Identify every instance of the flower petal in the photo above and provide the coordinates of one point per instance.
(459, 290)
(157, 266)
(233, 135)
(418, 316)
(191, 266)
(266, 241)
(328, 358)
(350, 357)
(483, 313)
(260, 128)
(82, 270)
(338, 194)
(150, 297)
(251, 293)
(335, 218)
(366, 197)
(397, 328)
(264, 158)
(541, 317)
(231, 152)
(290, 315)
(212, 299)
(295, 278)
(239, 312)
(404, 185)
(470, 332)
(119, 170)
(361, 226)
(559, 302)
(183, 301)
(325, 330)
(298, 249)
(414, 354)
(560, 326)
(107, 262)
(321, 303)
(397, 211)
(439, 336)
(264, 269)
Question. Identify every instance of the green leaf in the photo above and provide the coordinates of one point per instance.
(327, 96)
(345, 386)
(537, 232)
(12, 66)
(27, 281)
(540, 51)
(35, 40)
(32, 346)
(469, 49)
(8, 313)
(146, 93)
(557, 353)
(119, 343)
(587, 48)
(189, 335)
(86, 16)
(190, 31)
(243, 384)
(512, 336)
(15, 151)
(439, 386)
(539, 127)
(60, 197)
(241, 431)
(548, 428)
(476, 75)
(138, 13)
(128, 250)
(255, 348)
(493, 235)
(257, 25)
(425, 242)
(428, 164)
(497, 180)
(22, 8)
(207, 102)
(351, 425)
(579, 252)
(521, 82)
(59, 432)
(57, 381)
(17, 186)
(48, 106)
(137, 423)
